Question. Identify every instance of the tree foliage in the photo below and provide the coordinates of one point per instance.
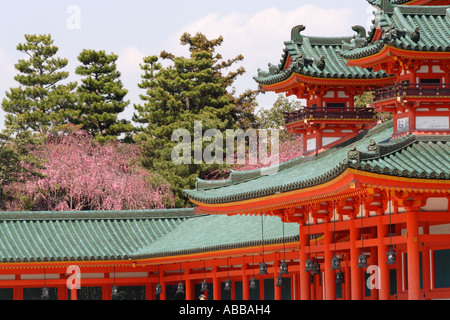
(101, 96)
(41, 101)
(191, 89)
(18, 162)
(274, 118)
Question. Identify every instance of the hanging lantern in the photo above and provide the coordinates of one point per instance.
(228, 286)
(253, 284)
(391, 256)
(284, 268)
(279, 281)
(180, 288)
(316, 268)
(204, 286)
(340, 277)
(335, 263)
(158, 289)
(115, 291)
(263, 268)
(362, 261)
(45, 294)
(309, 265)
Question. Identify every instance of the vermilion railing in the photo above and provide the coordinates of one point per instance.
(412, 90)
(331, 113)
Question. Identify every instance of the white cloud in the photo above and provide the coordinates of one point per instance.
(260, 37)
(129, 60)
(265, 31)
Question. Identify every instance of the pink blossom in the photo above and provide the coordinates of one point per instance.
(81, 174)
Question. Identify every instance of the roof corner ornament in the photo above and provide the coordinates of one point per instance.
(358, 41)
(263, 73)
(415, 36)
(374, 147)
(360, 31)
(354, 157)
(391, 33)
(296, 33)
(273, 69)
(321, 64)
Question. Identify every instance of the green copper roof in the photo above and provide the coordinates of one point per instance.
(219, 232)
(82, 236)
(317, 57)
(416, 28)
(378, 3)
(410, 156)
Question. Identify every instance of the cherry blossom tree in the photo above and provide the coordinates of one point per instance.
(81, 174)
(290, 147)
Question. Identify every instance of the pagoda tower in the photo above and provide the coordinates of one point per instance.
(412, 43)
(312, 69)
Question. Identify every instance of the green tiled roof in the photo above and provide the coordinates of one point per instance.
(410, 156)
(416, 28)
(419, 159)
(316, 57)
(82, 236)
(121, 235)
(219, 232)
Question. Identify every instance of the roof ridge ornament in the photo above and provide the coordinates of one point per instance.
(296, 33)
(391, 33)
(358, 41)
(354, 157)
(374, 147)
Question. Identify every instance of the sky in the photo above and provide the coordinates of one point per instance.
(134, 29)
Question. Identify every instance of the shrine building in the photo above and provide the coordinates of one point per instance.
(362, 215)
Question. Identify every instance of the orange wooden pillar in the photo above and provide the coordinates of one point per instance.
(233, 291)
(385, 287)
(426, 264)
(305, 279)
(162, 296)
(73, 294)
(217, 290)
(356, 274)
(277, 293)
(189, 286)
(330, 275)
(245, 283)
(346, 286)
(412, 245)
(261, 289)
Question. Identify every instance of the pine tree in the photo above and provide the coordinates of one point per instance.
(101, 96)
(18, 161)
(188, 90)
(41, 102)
